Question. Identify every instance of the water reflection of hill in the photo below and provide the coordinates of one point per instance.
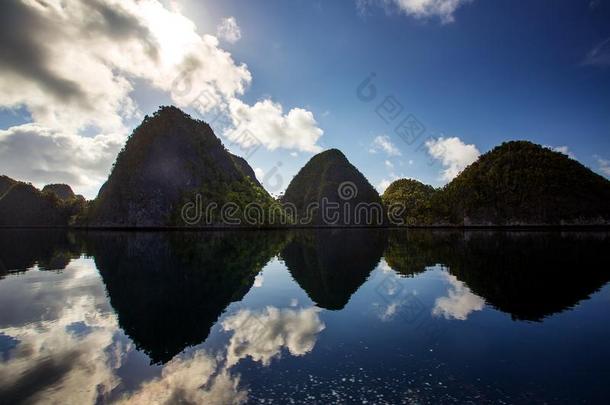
(168, 289)
(529, 275)
(21, 249)
(330, 265)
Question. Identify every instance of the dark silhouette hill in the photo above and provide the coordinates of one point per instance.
(6, 183)
(330, 177)
(523, 183)
(169, 288)
(529, 275)
(323, 264)
(23, 205)
(50, 249)
(246, 169)
(62, 191)
(516, 183)
(167, 161)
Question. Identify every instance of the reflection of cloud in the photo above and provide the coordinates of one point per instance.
(261, 336)
(459, 303)
(190, 379)
(70, 355)
(385, 267)
(389, 311)
(68, 346)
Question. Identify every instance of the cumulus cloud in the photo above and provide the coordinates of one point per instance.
(265, 123)
(70, 63)
(453, 154)
(262, 335)
(384, 184)
(42, 155)
(443, 9)
(383, 143)
(258, 280)
(74, 64)
(190, 379)
(561, 149)
(460, 301)
(229, 30)
(66, 342)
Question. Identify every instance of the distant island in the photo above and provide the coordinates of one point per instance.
(174, 172)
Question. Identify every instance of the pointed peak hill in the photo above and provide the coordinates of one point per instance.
(329, 176)
(168, 160)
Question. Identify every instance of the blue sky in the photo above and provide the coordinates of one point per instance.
(481, 73)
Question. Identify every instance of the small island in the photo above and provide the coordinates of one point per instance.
(174, 172)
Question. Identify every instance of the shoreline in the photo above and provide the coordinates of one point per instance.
(594, 228)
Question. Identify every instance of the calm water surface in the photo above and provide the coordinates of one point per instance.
(344, 316)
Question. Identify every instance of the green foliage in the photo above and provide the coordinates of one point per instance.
(516, 183)
(416, 198)
(168, 161)
(321, 178)
(521, 182)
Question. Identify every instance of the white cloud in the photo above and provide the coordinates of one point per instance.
(266, 123)
(443, 9)
(262, 335)
(384, 144)
(604, 165)
(259, 173)
(561, 149)
(190, 379)
(229, 30)
(71, 63)
(389, 164)
(258, 280)
(74, 64)
(41, 155)
(459, 302)
(453, 154)
(383, 184)
(86, 362)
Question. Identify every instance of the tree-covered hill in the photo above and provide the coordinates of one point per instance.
(523, 183)
(330, 177)
(23, 205)
(168, 161)
(6, 183)
(416, 197)
(62, 191)
(516, 183)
